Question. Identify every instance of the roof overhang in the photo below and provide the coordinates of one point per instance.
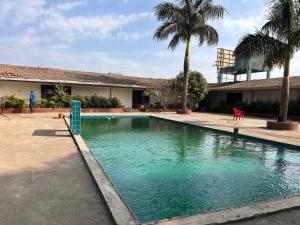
(250, 89)
(74, 83)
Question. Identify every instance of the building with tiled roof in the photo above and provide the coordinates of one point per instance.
(251, 91)
(20, 80)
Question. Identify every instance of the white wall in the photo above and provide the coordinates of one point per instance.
(22, 90)
(124, 94)
(86, 90)
(274, 95)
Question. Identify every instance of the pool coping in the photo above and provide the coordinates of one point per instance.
(124, 216)
(116, 205)
(253, 138)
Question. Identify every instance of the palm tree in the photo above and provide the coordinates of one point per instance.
(277, 40)
(183, 20)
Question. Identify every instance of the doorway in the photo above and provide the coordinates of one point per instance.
(234, 98)
(138, 98)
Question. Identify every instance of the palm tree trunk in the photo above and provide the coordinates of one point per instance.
(285, 92)
(186, 70)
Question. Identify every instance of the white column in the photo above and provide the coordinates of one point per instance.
(248, 74)
(269, 74)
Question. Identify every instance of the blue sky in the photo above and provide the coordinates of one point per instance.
(113, 36)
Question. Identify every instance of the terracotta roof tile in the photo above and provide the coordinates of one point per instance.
(273, 83)
(46, 74)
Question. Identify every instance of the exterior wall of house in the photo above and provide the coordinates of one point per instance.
(85, 90)
(274, 95)
(214, 97)
(22, 90)
(124, 94)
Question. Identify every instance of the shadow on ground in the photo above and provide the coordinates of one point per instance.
(59, 192)
(51, 133)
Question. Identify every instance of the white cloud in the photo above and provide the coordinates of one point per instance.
(244, 24)
(132, 35)
(28, 51)
(50, 19)
(66, 6)
(21, 11)
(70, 28)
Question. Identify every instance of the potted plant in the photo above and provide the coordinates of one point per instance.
(61, 115)
(184, 112)
(235, 125)
(59, 97)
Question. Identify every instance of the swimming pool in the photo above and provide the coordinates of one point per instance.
(164, 169)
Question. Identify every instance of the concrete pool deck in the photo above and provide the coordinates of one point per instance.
(44, 181)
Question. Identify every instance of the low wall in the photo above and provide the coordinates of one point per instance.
(63, 110)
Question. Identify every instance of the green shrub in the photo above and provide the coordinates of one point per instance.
(114, 102)
(261, 107)
(174, 106)
(221, 107)
(158, 105)
(43, 103)
(59, 97)
(47, 103)
(52, 103)
(13, 101)
(85, 101)
(98, 102)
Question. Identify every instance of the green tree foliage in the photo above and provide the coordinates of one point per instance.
(13, 101)
(162, 95)
(59, 95)
(278, 40)
(197, 88)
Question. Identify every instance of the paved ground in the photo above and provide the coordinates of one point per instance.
(291, 217)
(43, 180)
(249, 126)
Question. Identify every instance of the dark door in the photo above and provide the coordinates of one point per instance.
(234, 98)
(137, 98)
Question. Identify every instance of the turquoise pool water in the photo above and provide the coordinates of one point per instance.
(163, 169)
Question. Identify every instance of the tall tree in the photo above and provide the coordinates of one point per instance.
(183, 20)
(278, 40)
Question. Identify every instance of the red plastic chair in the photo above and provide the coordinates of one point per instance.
(237, 114)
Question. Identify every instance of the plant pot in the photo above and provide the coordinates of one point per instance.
(236, 130)
(61, 115)
(274, 125)
(184, 112)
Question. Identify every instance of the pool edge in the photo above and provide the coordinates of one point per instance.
(246, 136)
(234, 214)
(116, 205)
(221, 216)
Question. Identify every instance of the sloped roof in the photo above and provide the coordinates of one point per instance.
(39, 74)
(274, 83)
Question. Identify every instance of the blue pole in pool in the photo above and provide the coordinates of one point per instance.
(75, 118)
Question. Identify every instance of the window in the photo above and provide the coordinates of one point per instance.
(46, 88)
